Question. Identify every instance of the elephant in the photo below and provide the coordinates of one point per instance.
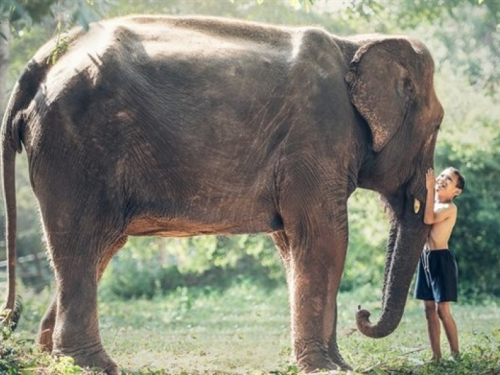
(185, 126)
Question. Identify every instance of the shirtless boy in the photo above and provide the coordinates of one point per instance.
(437, 270)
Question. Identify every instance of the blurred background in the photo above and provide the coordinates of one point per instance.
(464, 38)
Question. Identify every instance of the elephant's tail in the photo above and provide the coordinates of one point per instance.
(10, 143)
(12, 132)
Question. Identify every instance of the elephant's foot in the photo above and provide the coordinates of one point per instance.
(46, 328)
(44, 339)
(315, 360)
(94, 359)
(313, 364)
(341, 363)
(337, 358)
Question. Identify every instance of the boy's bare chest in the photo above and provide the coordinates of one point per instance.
(440, 234)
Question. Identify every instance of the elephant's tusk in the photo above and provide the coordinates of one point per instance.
(416, 206)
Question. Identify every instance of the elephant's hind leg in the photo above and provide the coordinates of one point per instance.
(79, 259)
(46, 329)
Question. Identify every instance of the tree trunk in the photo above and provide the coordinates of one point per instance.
(4, 65)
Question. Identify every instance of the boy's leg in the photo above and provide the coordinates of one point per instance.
(450, 328)
(433, 328)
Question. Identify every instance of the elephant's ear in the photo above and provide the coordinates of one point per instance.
(381, 87)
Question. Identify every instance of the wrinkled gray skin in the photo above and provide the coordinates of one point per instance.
(189, 126)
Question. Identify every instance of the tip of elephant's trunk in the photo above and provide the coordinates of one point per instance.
(378, 330)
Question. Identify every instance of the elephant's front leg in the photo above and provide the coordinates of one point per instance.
(316, 267)
(46, 330)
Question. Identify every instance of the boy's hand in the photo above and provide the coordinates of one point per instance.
(430, 180)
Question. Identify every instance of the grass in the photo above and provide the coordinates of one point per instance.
(246, 330)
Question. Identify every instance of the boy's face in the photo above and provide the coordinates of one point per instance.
(446, 184)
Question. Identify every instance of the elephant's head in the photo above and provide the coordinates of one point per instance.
(391, 86)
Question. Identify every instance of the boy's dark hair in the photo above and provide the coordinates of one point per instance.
(460, 178)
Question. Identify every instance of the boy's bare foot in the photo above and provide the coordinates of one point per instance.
(435, 359)
(455, 356)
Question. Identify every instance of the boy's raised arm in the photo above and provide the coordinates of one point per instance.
(432, 216)
(430, 184)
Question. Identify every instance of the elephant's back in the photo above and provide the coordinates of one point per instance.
(149, 50)
(162, 37)
(199, 34)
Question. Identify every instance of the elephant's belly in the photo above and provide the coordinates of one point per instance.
(155, 226)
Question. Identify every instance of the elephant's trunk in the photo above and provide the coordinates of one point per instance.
(407, 238)
(393, 235)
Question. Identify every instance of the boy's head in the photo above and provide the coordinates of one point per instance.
(449, 183)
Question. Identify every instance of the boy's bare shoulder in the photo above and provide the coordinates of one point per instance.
(445, 206)
(446, 209)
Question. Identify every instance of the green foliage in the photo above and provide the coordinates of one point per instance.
(20, 14)
(367, 243)
(32, 10)
(133, 279)
(19, 356)
(141, 270)
(147, 267)
(23, 14)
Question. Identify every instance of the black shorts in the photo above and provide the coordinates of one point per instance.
(437, 276)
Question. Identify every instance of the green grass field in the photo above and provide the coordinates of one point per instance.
(246, 330)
